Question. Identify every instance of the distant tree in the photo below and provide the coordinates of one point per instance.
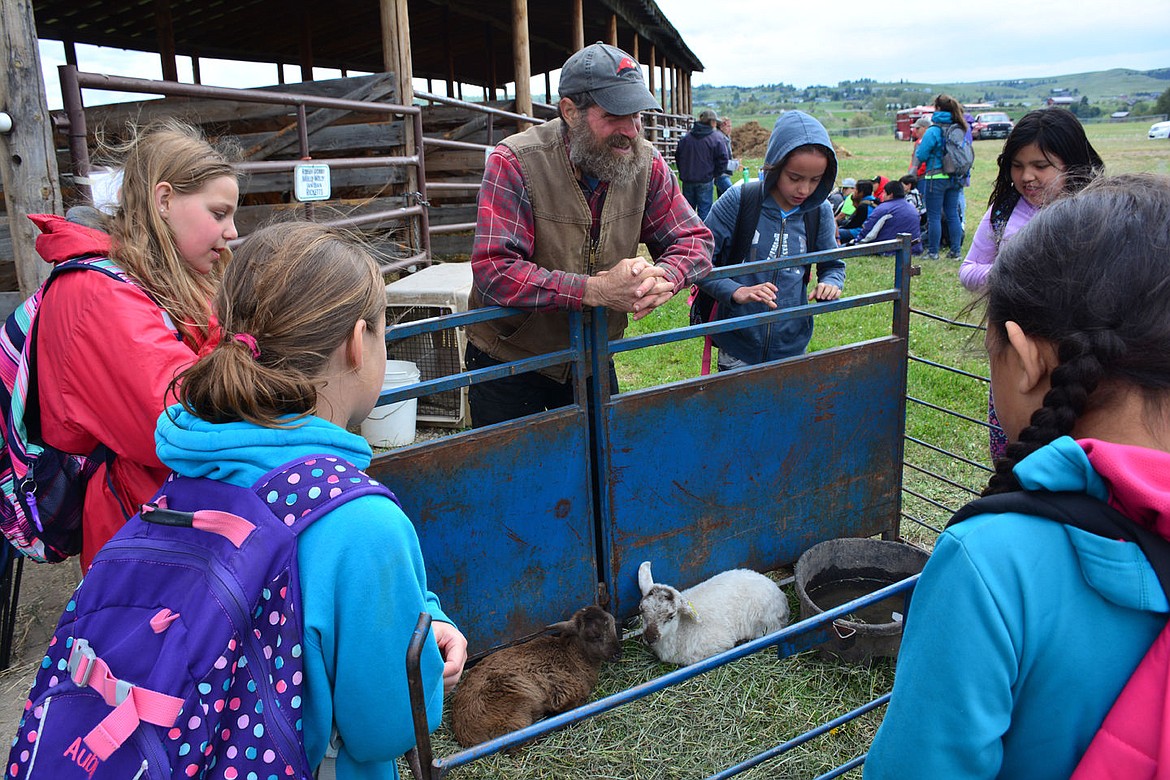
(861, 119)
(1163, 104)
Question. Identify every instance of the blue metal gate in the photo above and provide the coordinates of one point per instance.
(747, 468)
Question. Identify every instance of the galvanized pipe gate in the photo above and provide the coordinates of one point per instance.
(523, 522)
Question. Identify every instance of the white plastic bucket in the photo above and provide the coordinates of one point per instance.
(393, 425)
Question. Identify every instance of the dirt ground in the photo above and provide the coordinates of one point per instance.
(749, 141)
(44, 591)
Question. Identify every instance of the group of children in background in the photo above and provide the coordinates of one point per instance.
(290, 354)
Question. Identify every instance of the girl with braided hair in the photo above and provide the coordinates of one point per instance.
(1023, 631)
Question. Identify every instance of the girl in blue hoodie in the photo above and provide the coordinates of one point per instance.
(302, 358)
(800, 168)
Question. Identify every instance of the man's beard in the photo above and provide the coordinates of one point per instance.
(596, 158)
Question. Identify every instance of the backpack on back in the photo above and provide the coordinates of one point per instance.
(180, 654)
(1132, 740)
(703, 306)
(42, 489)
(958, 152)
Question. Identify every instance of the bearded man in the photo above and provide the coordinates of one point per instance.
(562, 210)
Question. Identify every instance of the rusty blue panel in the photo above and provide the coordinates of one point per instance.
(750, 468)
(504, 516)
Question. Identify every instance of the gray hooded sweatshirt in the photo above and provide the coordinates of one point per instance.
(776, 235)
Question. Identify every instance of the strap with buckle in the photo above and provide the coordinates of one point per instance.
(132, 704)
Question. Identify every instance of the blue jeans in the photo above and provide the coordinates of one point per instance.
(942, 203)
(699, 195)
(723, 184)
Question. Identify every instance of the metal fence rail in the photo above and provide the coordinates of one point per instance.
(926, 461)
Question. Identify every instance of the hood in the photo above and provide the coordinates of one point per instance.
(794, 129)
(1130, 478)
(698, 129)
(1135, 477)
(241, 452)
(942, 118)
(62, 240)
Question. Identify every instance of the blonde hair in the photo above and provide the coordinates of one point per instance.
(297, 289)
(143, 244)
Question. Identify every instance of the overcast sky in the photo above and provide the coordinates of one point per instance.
(749, 43)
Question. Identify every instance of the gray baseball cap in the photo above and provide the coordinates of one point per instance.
(611, 76)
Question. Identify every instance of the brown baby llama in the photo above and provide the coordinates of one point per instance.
(518, 686)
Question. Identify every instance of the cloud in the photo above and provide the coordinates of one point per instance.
(739, 42)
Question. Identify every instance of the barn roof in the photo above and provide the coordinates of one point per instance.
(471, 38)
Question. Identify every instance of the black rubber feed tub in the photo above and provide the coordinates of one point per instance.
(831, 573)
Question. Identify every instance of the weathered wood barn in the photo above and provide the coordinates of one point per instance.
(408, 177)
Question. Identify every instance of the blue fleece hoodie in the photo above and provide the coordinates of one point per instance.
(931, 147)
(1020, 635)
(362, 581)
(777, 235)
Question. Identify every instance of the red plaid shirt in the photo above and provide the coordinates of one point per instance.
(504, 235)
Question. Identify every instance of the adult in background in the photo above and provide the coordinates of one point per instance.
(701, 157)
(919, 127)
(941, 190)
(562, 210)
(723, 182)
(892, 216)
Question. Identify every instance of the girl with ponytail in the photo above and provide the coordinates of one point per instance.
(1023, 631)
(301, 359)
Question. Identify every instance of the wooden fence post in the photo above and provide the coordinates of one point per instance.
(28, 161)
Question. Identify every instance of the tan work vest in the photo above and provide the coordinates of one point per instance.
(562, 223)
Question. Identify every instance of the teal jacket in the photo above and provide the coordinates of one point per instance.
(1020, 635)
(933, 144)
(362, 581)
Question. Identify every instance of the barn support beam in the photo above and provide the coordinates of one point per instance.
(396, 59)
(166, 40)
(578, 26)
(521, 60)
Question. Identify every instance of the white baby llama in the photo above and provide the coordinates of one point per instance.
(717, 614)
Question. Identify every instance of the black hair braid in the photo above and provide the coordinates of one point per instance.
(1072, 382)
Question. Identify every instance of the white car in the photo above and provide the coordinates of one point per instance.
(1160, 130)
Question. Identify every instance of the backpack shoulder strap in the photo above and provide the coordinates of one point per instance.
(812, 228)
(1080, 511)
(303, 490)
(751, 200)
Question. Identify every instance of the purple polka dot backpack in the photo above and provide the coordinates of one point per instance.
(179, 654)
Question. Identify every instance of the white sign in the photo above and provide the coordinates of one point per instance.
(311, 182)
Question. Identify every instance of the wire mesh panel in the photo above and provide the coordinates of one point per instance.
(443, 288)
(436, 355)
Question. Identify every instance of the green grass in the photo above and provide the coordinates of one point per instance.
(722, 717)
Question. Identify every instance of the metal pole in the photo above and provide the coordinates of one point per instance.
(424, 218)
(418, 699)
(78, 149)
(303, 140)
